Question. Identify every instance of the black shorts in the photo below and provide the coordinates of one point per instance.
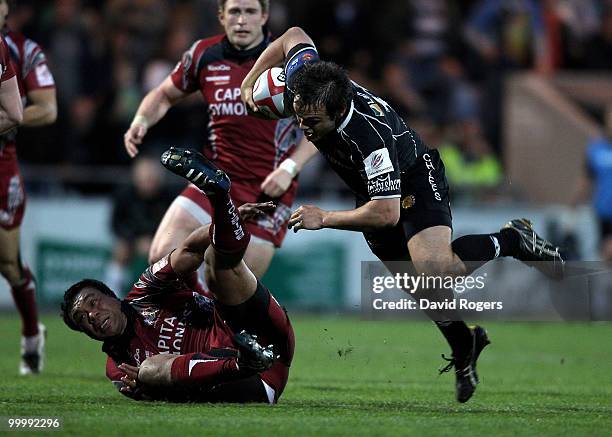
(263, 316)
(425, 203)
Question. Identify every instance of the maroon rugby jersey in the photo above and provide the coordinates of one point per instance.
(247, 148)
(165, 317)
(29, 64)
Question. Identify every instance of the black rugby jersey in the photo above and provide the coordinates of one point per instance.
(371, 146)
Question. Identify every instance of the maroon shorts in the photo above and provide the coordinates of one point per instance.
(271, 228)
(12, 195)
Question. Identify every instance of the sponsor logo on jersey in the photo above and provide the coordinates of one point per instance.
(218, 80)
(307, 57)
(43, 75)
(377, 163)
(220, 67)
(170, 337)
(430, 178)
(383, 184)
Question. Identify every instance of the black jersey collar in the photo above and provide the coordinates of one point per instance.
(231, 52)
(347, 117)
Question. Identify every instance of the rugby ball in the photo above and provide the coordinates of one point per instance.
(269, 93)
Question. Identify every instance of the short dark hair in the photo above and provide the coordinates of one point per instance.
(265, 5)
(71, 294)
(323, 84)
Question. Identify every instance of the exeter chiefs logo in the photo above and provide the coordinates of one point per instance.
(408, 201)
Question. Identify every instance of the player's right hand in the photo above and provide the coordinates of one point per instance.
(133, 137)
(250, 211)
(246, 94)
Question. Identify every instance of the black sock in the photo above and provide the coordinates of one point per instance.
(485, 247)
(458, 336)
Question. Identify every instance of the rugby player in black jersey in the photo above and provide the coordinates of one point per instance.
(402, 195)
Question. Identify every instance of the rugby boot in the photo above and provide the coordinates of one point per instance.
(466, 377)
(535, 251)
(251, 355)
(198, 170)
(33, 361)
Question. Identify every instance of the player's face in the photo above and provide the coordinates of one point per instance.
(243, 21)
(4, 10)
(97, 314)
(314, 122)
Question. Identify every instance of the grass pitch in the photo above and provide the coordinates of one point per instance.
(350, 377)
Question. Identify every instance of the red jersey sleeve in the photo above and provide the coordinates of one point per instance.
(36, 73)
(6, 69)
(185, 74)
(158, 278)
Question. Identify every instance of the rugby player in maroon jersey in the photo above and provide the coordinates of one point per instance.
(166, 340)
(32, 82)
(262, 157)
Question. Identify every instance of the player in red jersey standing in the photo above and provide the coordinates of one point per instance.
(34, 85)
(169, 341)
(262, 157)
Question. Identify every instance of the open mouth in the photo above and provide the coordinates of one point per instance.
(105, 324)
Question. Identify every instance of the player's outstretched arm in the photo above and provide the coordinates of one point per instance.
(373, 215)
(11, 108)
(279, 180)
(273, 55)
(153, 108)
(42, 108)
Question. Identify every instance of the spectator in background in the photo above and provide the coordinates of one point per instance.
(137, 210)
(597, 184)
(505, 35)
(472, 168)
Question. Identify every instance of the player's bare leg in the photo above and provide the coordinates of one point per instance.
(258, 256)
(176, 225)
(23, 290)
(432, 254)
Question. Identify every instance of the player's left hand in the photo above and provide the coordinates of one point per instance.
(276, 183)
(130, 380)
(307, 217)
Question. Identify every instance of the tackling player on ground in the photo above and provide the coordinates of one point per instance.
(401, 191)
(33, 83)
(169, 341)
(262, 157)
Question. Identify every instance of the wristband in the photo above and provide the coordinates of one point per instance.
(290, 166)
(142, 120)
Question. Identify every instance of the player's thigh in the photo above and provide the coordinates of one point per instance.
(231, 286)
(9, 254)
(431, 252)
(176, 225)
(258, 256)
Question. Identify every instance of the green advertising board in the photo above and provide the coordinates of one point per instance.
(61, 264)
(309, 276)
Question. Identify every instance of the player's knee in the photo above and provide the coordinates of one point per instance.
(440, 265)
(10, 270)
(156, 371)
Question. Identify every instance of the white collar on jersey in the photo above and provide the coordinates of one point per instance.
(348, 117)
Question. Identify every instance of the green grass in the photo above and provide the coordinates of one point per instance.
(350, 377)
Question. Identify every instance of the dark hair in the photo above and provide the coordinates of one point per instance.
(71, 294)
(323, 84)
(265, 5)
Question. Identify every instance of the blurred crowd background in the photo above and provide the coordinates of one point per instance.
(441, 63)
